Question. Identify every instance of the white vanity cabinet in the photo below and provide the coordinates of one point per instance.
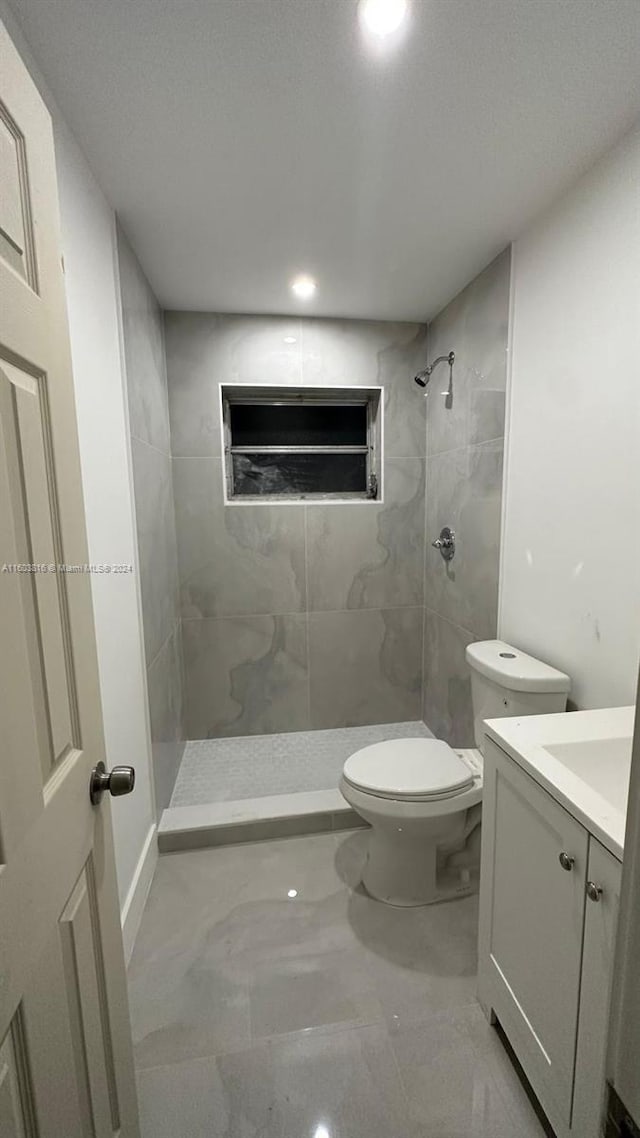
(600, 921)
(546, 947)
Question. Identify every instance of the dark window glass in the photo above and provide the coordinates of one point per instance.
(306, 424)
(298, 474)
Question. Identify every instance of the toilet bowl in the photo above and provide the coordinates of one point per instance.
(422, 798)
(422, 801)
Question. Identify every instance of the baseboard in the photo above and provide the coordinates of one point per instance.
(136, 898)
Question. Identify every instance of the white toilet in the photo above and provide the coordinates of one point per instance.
(423, 799)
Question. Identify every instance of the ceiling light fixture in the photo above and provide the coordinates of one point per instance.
(303, 286)
(290, 340)
(382, 17)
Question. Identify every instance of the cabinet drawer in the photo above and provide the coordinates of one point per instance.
(531, 928)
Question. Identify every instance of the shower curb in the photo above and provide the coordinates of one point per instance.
(255, 820)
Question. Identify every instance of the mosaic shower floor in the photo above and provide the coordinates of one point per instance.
(225, 770)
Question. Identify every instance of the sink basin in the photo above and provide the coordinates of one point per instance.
(604, 764)
(582, 758)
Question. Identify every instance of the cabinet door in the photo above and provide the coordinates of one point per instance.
(532, 913)
(600, 922)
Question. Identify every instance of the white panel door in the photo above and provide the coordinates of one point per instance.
(532, 913)
(66, 1068)
(600, 924)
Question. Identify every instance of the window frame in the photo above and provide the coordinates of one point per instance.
(328, 395)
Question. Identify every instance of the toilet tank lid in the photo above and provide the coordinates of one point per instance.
(515, 670)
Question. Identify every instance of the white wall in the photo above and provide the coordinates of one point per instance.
(88, 240)
(570, 578)
(89, 248)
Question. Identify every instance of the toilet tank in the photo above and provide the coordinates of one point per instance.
(505, 682)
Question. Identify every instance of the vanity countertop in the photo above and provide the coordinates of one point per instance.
(582, 758)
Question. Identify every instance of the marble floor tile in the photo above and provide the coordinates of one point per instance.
(318, 1084)
(184, 1100)
(290, 994)
(451, 1091)
(489, 1046)
(185, 1009)
(272, 998)
(233, 912)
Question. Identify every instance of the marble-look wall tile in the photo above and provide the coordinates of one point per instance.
(153, 492)
(447, 426)
(147, 396)
(164, 685)
(486, 327)
(475, 326)
(369, 555)
(238, 559)
(204, 350)
(258, 561)
(143, 339)
(486, 416)
(465, 493)
(365, 666)
(447, 683)
(245, 675)
(376, 354)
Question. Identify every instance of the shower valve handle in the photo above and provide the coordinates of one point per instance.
(446, 543)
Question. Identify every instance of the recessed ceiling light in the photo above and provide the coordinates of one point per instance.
(382, 17)
(290, 340)
(292, 893)
(303, 286)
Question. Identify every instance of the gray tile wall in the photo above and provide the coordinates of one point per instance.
(297, 616)
(464, 491)
(144, 351)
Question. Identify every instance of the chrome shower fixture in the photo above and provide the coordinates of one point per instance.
(423, 377)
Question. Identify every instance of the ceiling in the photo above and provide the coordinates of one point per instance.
(242, 141)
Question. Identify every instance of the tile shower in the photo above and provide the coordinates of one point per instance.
(296, 617)
(314, 618)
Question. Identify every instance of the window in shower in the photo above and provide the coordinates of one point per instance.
(292, 443)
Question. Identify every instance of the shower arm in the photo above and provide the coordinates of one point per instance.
(450, 358)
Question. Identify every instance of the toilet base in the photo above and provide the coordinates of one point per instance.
(405, 872)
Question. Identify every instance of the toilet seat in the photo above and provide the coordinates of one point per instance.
(413, 770)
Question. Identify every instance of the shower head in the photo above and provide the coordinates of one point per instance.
(423, 377)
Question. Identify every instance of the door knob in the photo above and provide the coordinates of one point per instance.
(566, 861)
(121, 780)
(594, 892)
